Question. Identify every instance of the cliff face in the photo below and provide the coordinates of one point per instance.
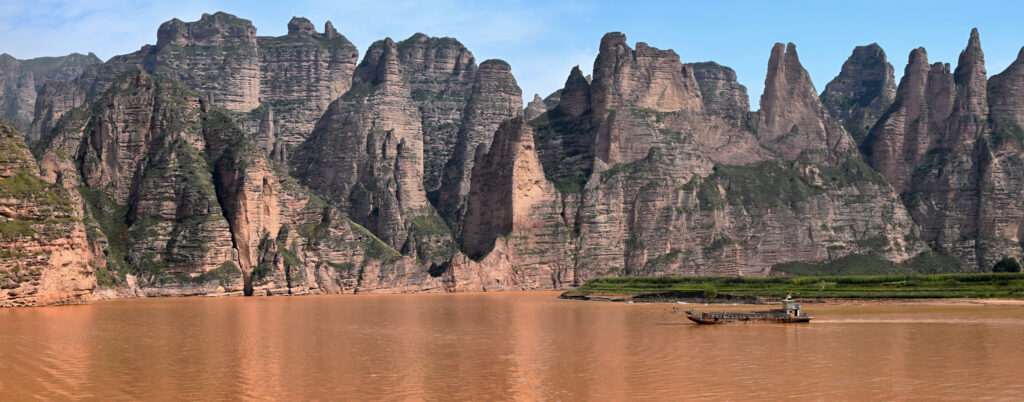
(17, 92)
(186, 204)
(220, 56)
(720, 91)
(366, 157)
(45, 258)
(954, 162)
(424, 173)
(495, 98)
(54, 99)
(20, 79)
(645, 79)
(301, 73)
(514, 222)
(535, 108)
(440, 73)
(216, 56)
(862, 92)
(700, 193)
(792, 119)
(60, 68)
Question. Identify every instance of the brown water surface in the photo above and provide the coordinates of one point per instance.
(500, 346)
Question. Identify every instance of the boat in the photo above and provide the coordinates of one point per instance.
(788, 314)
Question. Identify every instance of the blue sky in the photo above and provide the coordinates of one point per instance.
(542, 40)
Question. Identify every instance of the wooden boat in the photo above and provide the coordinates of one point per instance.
(789, 313)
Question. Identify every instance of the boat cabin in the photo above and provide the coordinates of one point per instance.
(792, 308)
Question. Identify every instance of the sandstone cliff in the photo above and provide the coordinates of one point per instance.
(699, 193)
(495, 98)
(366, 157)
(45, 258)
(17, 92)
(220, 56)
(187, 204)
(301, 73)
(862, 92)
(515, 234)
(953, 161)
(424, 173)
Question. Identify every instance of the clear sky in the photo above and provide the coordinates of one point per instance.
(542, 40)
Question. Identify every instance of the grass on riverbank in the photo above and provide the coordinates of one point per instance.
(981, 285)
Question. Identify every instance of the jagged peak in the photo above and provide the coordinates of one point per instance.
(575, 97)
(971, 78)
(917, 56)
(785, 71)
(210, 29)
(301, 25)
(611, 40)
(575, 74)
(329, 30)
(537, 98)
(422, 39)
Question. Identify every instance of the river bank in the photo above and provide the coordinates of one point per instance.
(892, 289)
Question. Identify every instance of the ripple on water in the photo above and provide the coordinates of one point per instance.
(499, 346)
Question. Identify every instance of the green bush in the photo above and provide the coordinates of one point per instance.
(1007, 264)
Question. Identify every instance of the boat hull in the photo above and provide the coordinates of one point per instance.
(710, 320)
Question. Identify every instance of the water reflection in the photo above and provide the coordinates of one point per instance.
(499, 346)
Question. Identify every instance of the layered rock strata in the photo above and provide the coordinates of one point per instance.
(46, 257)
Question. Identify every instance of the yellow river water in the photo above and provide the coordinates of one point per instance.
(500, 346)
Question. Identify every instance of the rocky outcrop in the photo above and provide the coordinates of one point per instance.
(301, 73)
(703, 196)
(20, 79)
(216, 56)
(574, 98)
(220, 56)
(514, 224)
(495, 98)
(45, 258)
(652, 167)
(187, 204)
(440, 73)
(627, 82)
(54, 99)
(17, 93)
(1006, 94)
(366, 157)
(792, 119)
(905, 134)
(862, 92)
(60, 68)
(721, 93)
(535, 108)
(954, 161)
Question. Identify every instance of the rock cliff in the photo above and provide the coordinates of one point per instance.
(792, 121)
(17, 92)
(862, 92)
(301, 73)
(954, 160)
(53, 100)
(495, 97)
(221, 57)
(720, 91)
(289, 169)
(366, 157)
(45, 258)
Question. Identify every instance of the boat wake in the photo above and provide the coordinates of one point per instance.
(976, 321)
